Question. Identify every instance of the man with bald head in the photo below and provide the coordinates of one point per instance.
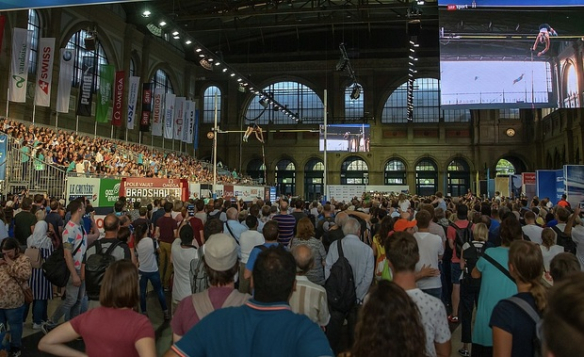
(286, 224)
(308, 298)
(232, 226)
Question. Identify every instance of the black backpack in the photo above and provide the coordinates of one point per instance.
(471, 256)
(565, 241)
(463, 235)
(55, 268)
(95, 267)
(340, 285)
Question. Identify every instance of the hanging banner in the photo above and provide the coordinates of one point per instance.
(120, 85)
(169, 115)
(157, 112)
(132, 100)
(3, 142)
(146, 107)
(42, 96)
(86, 88)
(2, 24)
(178, 117)
(104, 96)
(65, 75)
(196, 138)
(21, 40)
(188, 122)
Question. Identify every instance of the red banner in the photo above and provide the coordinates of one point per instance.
(119, 86)
(528, 178)
(2, 23)
(228, 192)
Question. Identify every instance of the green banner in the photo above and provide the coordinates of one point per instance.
(104, 97)
(109, 192)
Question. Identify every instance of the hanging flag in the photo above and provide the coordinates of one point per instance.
(65, 75)
(120, 85)
(85, 97)
(157, 112)
(179, 115)
(42, 96)
(196, 138)
(21, 40)
(146, 107)
(132, 99)
(169, 115)
(104, 96)
(2, 23)
(189, 121)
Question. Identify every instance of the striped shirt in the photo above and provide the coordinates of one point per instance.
(310, 299)
(286, 224)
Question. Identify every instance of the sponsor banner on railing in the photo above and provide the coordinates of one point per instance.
(248, 193)
(3, 162)
(83, 187)
(151, 188)
(194, 190)
(109, 192)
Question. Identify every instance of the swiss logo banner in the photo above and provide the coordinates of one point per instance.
(46, 58)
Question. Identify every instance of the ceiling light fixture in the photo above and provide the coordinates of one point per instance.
(146, 13)
(162, 23)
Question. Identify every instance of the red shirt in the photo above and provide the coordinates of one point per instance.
(451, 235)
(167, 225)
(197, 226)
(124, 328)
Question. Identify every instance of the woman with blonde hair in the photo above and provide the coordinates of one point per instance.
(514, 329)
(549, 248)
(113, 329)
(305, 236)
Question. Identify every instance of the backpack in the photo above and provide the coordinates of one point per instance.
(199, 278)
(55, 268)
(471, 256)
(565, 241)
(463, 235)
(382, 271)
(340, 285)
(530, 311)
(212, 216)
(95, 267)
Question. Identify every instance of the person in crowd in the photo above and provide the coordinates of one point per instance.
(513, 329)
(549, 248)
(308, 298)
(165, 233)
(360, 257)
(495, 285)
(286, 224)
(271, 231)
(563, 265)
(4, 225)
(389, 325)
(113, 329)
(24, 222)
(530, 229)
(403, 255)
(74, 245)
(221, 264)
(431, 249)
(200, 211)
(232, 225)
(15, 270)
(55, 220)
(469, 287)
(283, 333)
(305, 236)
(147, 250)
(455, 271)
(182, 255)
(249, 239)
(563, 321)
(42, 289)
(575, 229)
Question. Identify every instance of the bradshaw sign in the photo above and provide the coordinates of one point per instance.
(151, 188)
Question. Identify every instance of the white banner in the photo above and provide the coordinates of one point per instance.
(169, 115)
(42, 97)
(188, 122)
(65, 80)
(157, 112)
(179, 116)
(132, 99)
(21, 40)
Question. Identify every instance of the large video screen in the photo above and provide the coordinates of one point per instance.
(510, 53)
(345, 137)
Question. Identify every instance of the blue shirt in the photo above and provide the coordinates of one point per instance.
(254, 329)
(253, 255)
(235, 227)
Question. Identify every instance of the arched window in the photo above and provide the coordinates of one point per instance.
(297, 97)
(285, 177)
(426, 177)
(77, 43)
(354, 171)
(505, 168)
(571, 100)
(209, 105)
(313, 179)
(34, 25)
(395, 173)
(354, 108)
(257, 170)
(426, 104)
(458, 177)
(161, 79)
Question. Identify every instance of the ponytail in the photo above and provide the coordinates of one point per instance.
(539, 293)
(527, 262)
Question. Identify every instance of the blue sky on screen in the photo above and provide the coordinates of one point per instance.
(513, 3)
(34, 4)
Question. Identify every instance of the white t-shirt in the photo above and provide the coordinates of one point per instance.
(181, 261)
(433, 314)
(548, 255)
(533, 232)
(248, 240)
(146, 255)
(578, 238)
(430, 247)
